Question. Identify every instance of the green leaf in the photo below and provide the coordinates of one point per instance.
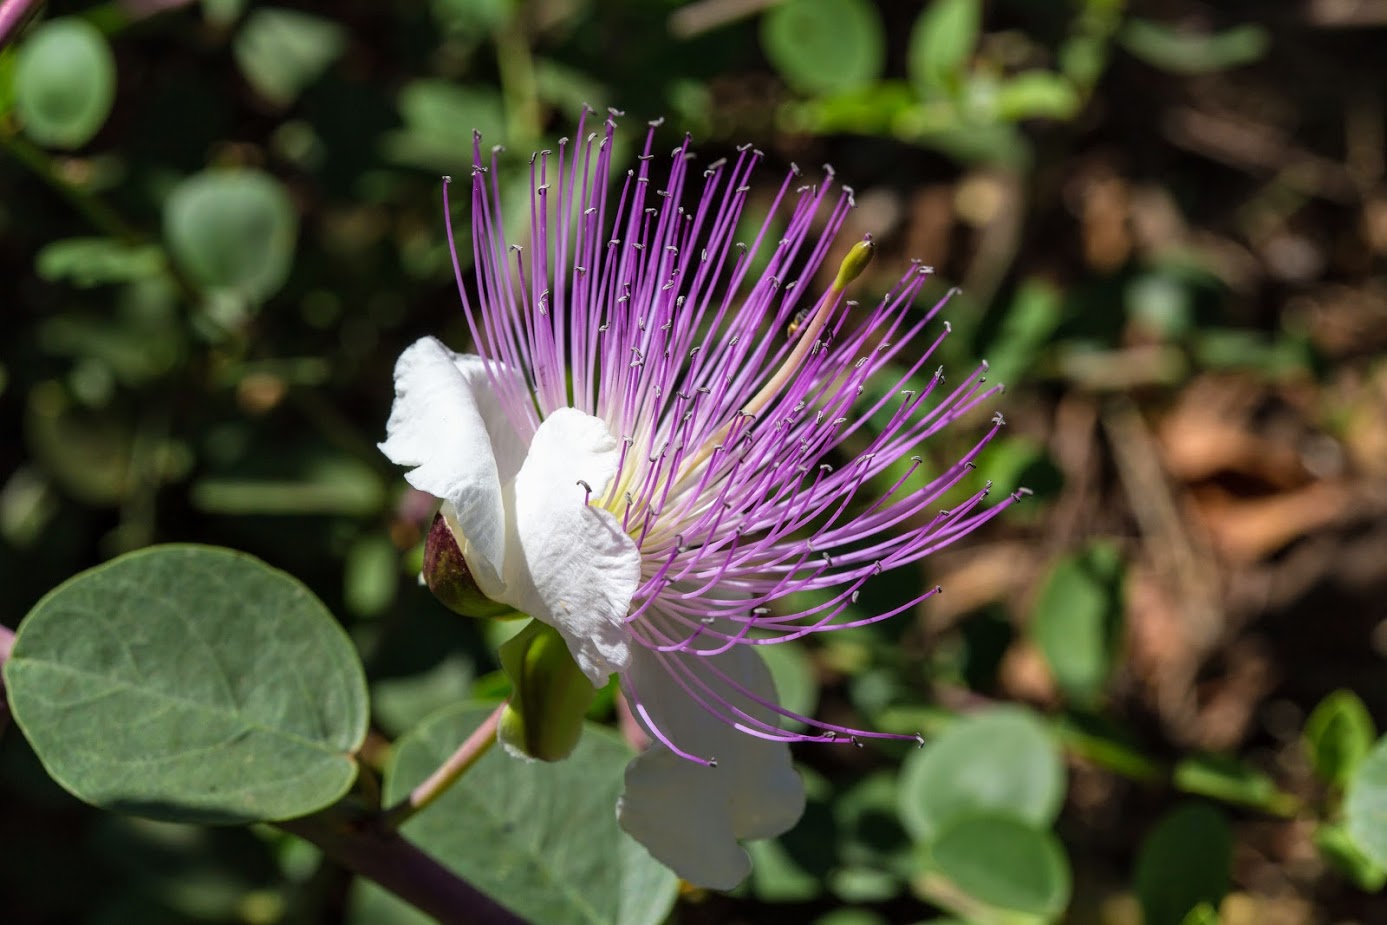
(1365, 804)
(541, 838)
(796, 687)
(1077, 621)
(822, 47)
(1004, 863)
(1184, 861)
(1338, 847)
(1036, 95)
(283, 51)
(1193, 53)
(941, 45)
(190, 683)
(776, 878)
(1002, 760)
(1029, 325)
(1338, 735)
(440, 117)
(65, 83)
(1019, 462)
(232, 231)
(88, 262)
(1224, 777)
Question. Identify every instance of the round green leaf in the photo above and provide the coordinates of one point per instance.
(1338, 734)
(190, 683)
(1004, 863)
(232, 231)
(1365, 804)
(65, 82)
(541, 838)
(1184, 862)
(1003, 760)
(823, 47)
(1077, 622)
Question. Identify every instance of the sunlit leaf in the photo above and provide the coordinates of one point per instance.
(190, 683)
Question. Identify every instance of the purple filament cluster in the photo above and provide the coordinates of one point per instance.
(653, 318)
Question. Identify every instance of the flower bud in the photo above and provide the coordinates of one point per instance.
(551, 695)
(448, 577)
(854, 263)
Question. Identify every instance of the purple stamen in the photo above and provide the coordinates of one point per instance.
(751, 444)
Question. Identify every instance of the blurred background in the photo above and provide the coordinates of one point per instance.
(1168, 221)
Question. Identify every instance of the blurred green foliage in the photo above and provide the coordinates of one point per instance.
(220, 222)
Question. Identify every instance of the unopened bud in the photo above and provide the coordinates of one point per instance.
(551, 695)
(854, 263)
(448, 577)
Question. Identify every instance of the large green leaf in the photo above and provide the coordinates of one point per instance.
(541, 838)
(1183, 862)
(1003, 760)
(190, 683)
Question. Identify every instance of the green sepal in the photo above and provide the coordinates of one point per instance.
(551, 695)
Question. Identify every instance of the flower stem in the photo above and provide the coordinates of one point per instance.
(447, 774)
(93, 209)
(401, 868)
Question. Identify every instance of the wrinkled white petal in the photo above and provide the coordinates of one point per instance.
(449, 425)
(568, 563)
(692, 817)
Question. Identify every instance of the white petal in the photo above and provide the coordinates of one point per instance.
(448, 424)
(569, 563)
(507, 443)
(691, 817)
